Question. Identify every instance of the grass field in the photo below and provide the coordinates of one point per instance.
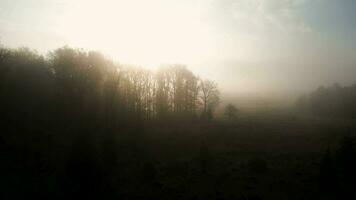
(254, 157)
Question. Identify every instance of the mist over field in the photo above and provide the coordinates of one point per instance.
(259, 47)
(168, 99)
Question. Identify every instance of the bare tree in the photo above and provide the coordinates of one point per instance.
(209, 97)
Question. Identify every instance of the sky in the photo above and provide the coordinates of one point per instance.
(266, 47)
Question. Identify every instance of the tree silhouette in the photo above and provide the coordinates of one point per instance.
(64, 118)
(231, 112)
(209, 97)
(334, 101)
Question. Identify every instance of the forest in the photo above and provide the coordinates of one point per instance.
(75, 81)
(334, 101)
(75, 124)
(61, 104)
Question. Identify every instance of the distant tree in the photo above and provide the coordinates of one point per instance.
(4, 67)
(302, 103)
(231, 112)
(177, 92)
(64, 117)
(163, 93)
(209, 97)
(334, 101)
(26, 86)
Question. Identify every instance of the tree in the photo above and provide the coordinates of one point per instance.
(176, 92)
(66, 116)
(209, 97)
(334, 101)
(231, 112)
(4, 68)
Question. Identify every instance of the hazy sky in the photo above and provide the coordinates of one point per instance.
(248, 46)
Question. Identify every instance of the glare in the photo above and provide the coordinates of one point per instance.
(148, 33)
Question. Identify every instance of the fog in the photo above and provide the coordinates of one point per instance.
(250, 47)
(178, 99)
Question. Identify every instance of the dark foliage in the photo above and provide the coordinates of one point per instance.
(333, 102)
(231, 112)
(66, 119)
(75, 125)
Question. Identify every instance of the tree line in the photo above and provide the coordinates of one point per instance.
(334, 101)
(73, 83)
(70, 120)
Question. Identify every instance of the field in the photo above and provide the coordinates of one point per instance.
(254, 157)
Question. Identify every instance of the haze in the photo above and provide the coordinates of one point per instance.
(178, 99)
(248, 46)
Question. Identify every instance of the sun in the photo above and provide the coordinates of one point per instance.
(145, 33)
